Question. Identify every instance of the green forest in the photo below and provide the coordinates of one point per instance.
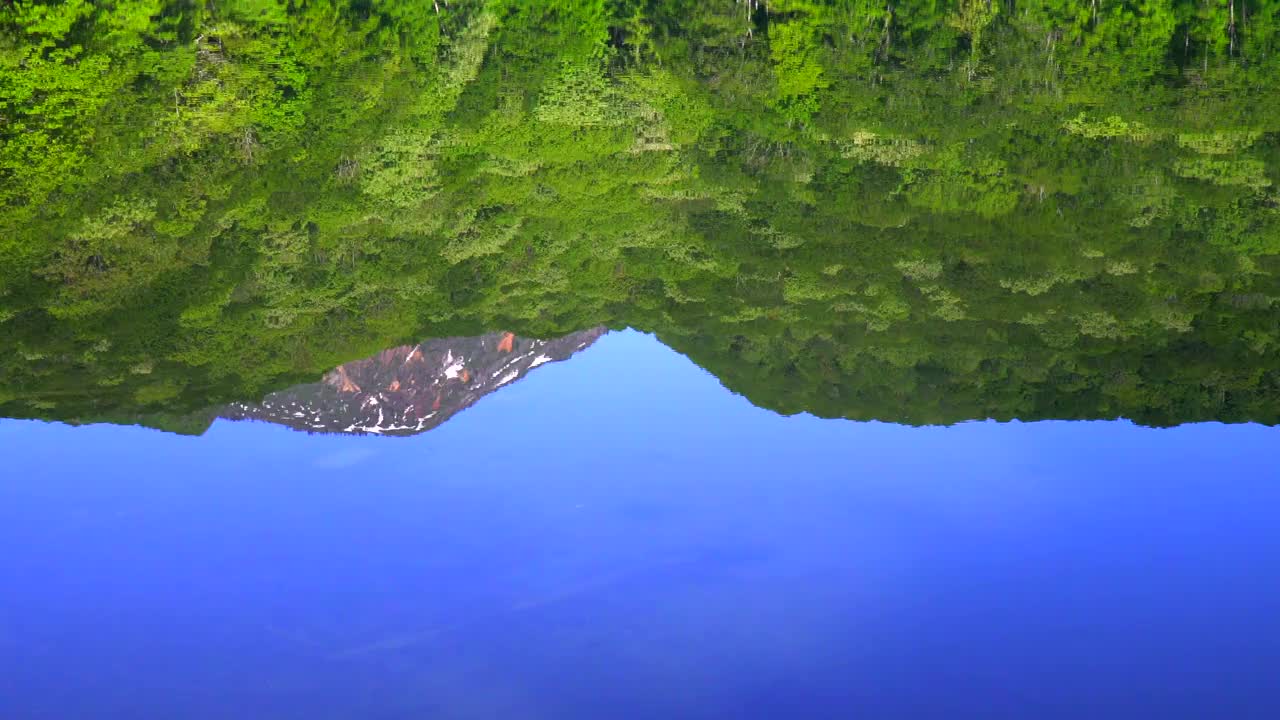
(920, 211)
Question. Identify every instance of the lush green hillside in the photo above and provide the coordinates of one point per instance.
(921, 212)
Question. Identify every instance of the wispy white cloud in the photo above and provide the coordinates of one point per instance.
(346, 458)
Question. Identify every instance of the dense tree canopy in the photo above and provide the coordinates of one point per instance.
(915, 211)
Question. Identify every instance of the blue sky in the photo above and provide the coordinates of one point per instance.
(618, 534)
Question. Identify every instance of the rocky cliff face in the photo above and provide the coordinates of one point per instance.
(410, 389)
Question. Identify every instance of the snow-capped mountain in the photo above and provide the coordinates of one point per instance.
(410, 389)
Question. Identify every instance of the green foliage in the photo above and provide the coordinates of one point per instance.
(916, 211)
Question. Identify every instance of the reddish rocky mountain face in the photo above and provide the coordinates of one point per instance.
(410, 389)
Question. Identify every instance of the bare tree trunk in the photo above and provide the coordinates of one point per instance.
(1231, 29)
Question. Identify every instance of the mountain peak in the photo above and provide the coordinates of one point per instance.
(410, 389)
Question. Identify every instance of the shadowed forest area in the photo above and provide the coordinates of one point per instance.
(920, 212)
